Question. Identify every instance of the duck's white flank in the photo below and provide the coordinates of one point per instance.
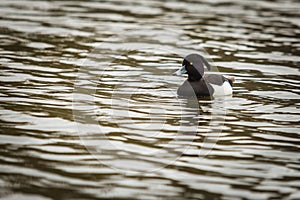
(222, 90)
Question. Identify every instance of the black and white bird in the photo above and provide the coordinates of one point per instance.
(200, 84)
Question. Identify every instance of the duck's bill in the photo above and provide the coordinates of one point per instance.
(180, 71)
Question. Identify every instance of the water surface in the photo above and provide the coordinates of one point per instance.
(89, 107)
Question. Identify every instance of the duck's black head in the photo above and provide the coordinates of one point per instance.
(193, 65)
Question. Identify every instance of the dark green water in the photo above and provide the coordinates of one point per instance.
(88, 105)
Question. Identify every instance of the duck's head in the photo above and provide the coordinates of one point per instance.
(193, 65)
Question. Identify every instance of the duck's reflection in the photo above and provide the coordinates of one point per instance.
(204, 119)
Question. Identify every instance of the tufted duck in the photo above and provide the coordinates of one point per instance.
(199, 84)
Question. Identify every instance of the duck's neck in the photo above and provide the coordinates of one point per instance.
(194, 78)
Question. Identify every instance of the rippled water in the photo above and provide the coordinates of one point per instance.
(89, 107)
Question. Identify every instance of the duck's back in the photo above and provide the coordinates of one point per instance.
(221, 85)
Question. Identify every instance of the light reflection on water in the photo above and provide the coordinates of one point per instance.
(115, 59)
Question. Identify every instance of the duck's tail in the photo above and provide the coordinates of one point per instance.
(231, 79)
